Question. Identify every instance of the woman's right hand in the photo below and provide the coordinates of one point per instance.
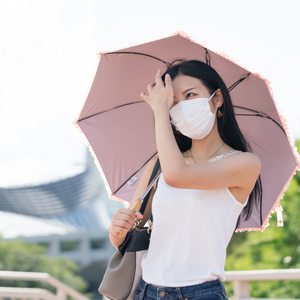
(123, 220)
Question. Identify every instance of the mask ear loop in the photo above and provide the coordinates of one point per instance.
(211, 97)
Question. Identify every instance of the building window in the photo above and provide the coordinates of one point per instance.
(97, 244)
(68, 246)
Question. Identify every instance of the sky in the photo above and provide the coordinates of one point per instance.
(48, 59)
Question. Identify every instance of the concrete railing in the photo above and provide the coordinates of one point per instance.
(241, 280)
(62, 290)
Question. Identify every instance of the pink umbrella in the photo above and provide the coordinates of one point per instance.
(119, 126)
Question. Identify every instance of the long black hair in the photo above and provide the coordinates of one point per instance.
(228, 127)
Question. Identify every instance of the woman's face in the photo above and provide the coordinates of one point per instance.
(187, 88)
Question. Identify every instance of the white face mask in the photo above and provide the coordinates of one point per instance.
(193, 118)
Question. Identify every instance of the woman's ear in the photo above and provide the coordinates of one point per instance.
(219, 98)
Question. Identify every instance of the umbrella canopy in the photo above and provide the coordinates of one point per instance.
(119, 126)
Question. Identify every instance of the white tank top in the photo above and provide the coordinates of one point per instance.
(191, 230)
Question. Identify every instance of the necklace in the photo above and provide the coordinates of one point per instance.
(209, 157)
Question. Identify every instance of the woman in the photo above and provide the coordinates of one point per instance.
(208, 178)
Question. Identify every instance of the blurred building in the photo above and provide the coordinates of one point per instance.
(70, 217)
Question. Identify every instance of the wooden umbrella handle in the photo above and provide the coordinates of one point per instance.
(133, 208)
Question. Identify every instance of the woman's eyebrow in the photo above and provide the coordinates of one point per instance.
(191, 88)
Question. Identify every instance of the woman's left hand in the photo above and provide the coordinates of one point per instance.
(160, 96)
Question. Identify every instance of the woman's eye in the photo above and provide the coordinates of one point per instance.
(190, 95)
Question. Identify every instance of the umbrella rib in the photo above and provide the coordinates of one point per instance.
(134, 173)
(250, 109)
(137, 53)
(207, 57)
(260, 115)
(110, 110)
(237, 82)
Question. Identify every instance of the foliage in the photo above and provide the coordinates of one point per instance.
(275, 248)
(26, 257)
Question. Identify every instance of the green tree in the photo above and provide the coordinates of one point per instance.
(275, 248)
(26, 257)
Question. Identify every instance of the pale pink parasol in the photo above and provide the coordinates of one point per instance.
(119, 126)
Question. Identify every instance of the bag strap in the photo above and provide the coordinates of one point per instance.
(154, 176)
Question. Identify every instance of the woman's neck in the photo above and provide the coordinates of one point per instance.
(212, 144)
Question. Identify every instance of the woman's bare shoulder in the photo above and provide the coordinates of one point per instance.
(244, 158)
(250, 157)
(248, 162)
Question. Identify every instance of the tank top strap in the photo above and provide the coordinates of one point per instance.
(226, 154)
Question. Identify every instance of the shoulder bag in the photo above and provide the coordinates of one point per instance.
(124, 272)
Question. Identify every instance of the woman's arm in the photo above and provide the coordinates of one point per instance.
(124, 218)
(239, 170)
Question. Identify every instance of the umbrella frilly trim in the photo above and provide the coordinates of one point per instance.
(275, 206)
(177, 32)
(294, 150)
(295, 153)
(284, 124)
(107, 50)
